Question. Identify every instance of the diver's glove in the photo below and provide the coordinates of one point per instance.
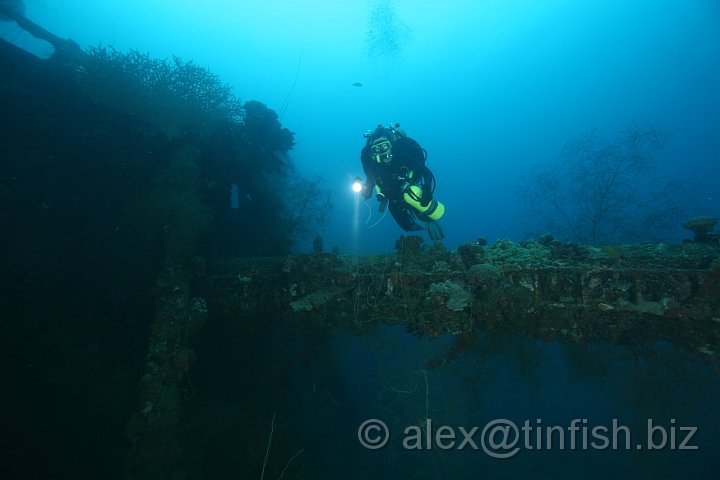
(366, 191)
(383, 202)
(435, 231)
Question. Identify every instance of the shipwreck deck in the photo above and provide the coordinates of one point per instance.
(623, 294)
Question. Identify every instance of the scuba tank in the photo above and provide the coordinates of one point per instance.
(433, 210)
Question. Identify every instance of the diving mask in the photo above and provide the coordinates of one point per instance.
(381, 151)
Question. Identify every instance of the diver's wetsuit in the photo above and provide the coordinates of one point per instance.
(393, 178)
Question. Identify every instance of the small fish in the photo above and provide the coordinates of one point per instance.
(357, 84)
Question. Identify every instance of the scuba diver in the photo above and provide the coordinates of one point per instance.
(394, 165)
